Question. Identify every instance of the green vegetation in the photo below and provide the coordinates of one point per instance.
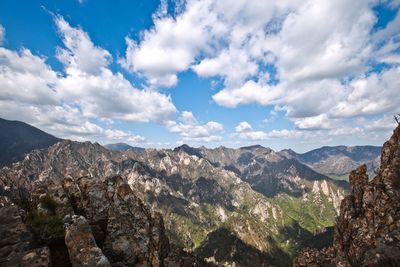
(49, 203)
(46, 226)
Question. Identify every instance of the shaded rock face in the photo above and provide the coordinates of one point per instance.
(222, 245)
(82, 248)
(39, 257)
(15, 237)
(367, 232)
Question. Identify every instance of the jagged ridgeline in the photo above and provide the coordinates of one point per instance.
(219, 205)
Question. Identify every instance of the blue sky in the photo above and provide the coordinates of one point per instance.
(298, 74)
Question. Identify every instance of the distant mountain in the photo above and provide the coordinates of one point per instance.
(123, 147)
(267, 171)
(18, 138)
(338, 161)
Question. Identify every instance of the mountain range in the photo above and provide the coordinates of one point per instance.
(202, 206)
(338, 161)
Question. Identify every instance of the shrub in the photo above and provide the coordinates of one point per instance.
(49, 203)
(46, 227)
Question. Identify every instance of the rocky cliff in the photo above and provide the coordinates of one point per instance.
(367, 232)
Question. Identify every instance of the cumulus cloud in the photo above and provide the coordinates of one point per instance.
(314, 59)
(314, 123)
(118, 135)
(245, 131)
(80, 53)
(191, 130)
(26, 78)
(65, 103)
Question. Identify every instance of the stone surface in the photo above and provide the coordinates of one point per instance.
(39, 257)
(82, 248)
(15, 237)
(128, 232)
(367, 232)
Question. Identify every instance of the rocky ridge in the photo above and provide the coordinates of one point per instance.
(338, 161)
(367, 232)
(195, 194)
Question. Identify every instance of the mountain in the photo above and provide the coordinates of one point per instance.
(338, 161)
(197, 192)
(367, 232)
(123, 147)
(18, 138)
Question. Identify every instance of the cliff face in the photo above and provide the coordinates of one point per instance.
(367, 232)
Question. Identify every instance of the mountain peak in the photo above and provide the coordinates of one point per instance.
(188, 150)
(123, 147)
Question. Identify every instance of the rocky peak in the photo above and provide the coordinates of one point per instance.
(367, 232)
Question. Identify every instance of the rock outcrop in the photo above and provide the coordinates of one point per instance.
(367, 232)
(15, 237)
(39, 257)
(82, 248)
(126, 229)
(105, 224)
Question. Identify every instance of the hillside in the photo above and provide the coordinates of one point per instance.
(18, 138)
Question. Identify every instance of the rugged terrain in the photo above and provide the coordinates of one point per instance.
(338, 161)
(18, 138)
(367, 232)
(269, 205)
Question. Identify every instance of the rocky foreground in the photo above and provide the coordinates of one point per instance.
(70, 222)
(367, 232)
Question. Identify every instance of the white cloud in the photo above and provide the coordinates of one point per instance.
(314, 123)
(309, 57)
(245, 131)
(233, 64)
(79, 52)
(64, 104)
(243, 126)
(97, 90)
(191, 130)
(383, 123)
(171, 46)
(118, 135)
(26, 78)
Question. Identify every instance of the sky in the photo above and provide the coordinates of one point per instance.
(283, 74)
